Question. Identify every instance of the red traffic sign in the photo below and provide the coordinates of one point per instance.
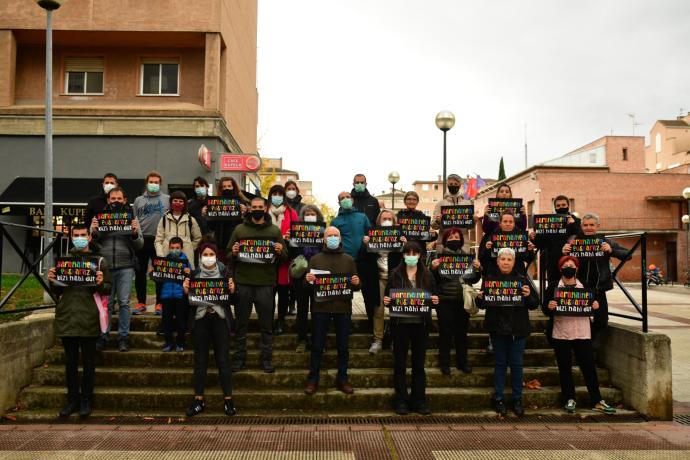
(239, 162)
(204, 156)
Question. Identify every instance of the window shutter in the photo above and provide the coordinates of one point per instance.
(84, 64)
(160, 61)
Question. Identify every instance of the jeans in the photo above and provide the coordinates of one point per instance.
(453, 322)
(211, 331)
(379, 313)
(262, 299)
(585, 359)
(406, 336)
(121, 291)
(319, 324)
(88, 356)
(508, 351)
(144, 255)
(174, 319)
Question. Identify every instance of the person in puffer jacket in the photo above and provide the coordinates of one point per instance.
(174, 301)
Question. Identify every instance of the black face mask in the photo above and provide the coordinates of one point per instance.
(257, 214)
(569, 272)
(116, 206)
(454, 245)
(453, 189)
(228, 193)
(563, 211)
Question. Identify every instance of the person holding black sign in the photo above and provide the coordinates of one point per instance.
(411, 200)
(178, 223)
(572, 334)
(77, 323)
(211, 329)
(453, 320)
(487, 252)
(222, 229)
(196, 206)
(119, 250)
(489, 226)
(332, 260)
(174, 301)
(256, 280)
(595, 272)
(98, 202)
(410, 332)
(454, 197)
(509, 326)
(292, 196)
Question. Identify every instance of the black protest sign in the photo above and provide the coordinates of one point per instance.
(502, 292)
(256, 251)
(454, 265)
(223, 208)
(384, 239)
(550, 224)
(304, 234)
(415, 228)
(457, 216)
(76, 271)
(409, 302)
(498, 206)
(114, 221)
(587, 247)
(517, 241)
(165, 269)
(332, 287)
(573, 301)
(204, 292)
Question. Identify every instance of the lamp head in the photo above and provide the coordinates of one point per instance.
(445, 120)
(50, 4)
(393, 177)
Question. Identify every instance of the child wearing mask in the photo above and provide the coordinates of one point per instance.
(174, 301)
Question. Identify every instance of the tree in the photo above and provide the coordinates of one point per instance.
(266, 179)
(501, 170)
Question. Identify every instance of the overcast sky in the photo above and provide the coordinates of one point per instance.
(354, 85)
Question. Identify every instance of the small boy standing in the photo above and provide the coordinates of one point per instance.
(174, 301)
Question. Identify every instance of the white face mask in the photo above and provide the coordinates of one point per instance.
(386, 223)
(108, 187)
(291, 194)
(310, 218)
(208, 261)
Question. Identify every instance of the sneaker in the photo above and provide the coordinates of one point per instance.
(267, 367)
(344, 387)
(490, 347)
(301, 347)
(85, 407)
(168, 348)
(123, 344)
(69, 409)
(139, 309)
(421, 408)
(229, 407)
(158, 310)
(102, 343)
(517, 408)
(278, 328)
(601, 406)
(570, 406)
(376, 347)
(464, 368)
(237, 366)
(195, 408)
(401, 408)
(500, 407)
(179, 348)
(311, 387)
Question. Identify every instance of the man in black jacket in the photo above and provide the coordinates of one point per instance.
(98, 202)
(363, 201)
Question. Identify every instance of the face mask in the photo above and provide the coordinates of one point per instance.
(453, 245)
(310, 218)
(228, 192)
(346, 203)
(359, 188)
(175, 252)
(569, 272)
(177, 208)
(208, 261)
(108, 187)
(200, 191)
(411, 261)
(386, 223)
(562, 211)
(291, 194)
(276, 200)
(80, 242)
(333, 242)
(116, 206)
(453, 189)
(153, 188)
(257, 214)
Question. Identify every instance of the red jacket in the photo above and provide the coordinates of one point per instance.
(283, 269)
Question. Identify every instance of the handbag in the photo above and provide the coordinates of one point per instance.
(469, 296)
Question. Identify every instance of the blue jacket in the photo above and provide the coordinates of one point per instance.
(171, 289)
(353, 226)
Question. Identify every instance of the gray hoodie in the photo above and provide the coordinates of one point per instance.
(149, 209)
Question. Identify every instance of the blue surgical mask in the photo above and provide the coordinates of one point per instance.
(359, 188)
(200, 191)
(175, 252)
(411, 261)
(80, 242)
(153, 188)
(277, 200)
(332, 242)
(346, 203)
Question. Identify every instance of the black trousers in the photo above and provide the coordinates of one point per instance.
(283, 301)
(453, 322)
(368, 274)
(408, 336)
(303, 295)
(143, 256)
(585, 359)
(261, 297)
(601, 317)
(211, 331)
(88, 357)
(174, 320)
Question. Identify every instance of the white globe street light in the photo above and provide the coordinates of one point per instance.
(445, 120)
(393, 178)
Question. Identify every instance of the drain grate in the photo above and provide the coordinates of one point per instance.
(683, 419)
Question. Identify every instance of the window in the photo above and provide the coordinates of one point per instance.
(425, 187)
(593, 157)
(435, 187)
(84, 75)
(159, 78)
(625, 154)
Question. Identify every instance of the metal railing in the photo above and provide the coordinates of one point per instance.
(32, 266)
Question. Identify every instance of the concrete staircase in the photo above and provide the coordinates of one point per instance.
(147, 382)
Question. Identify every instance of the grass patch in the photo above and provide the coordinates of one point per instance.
(29, 294)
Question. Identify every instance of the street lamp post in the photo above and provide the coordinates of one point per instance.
(49, 6)
(686, 221)
(393, 178)
(445, 120)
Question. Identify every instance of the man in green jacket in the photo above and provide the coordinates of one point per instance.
(255, 277)
(77, 323)
(332, 260)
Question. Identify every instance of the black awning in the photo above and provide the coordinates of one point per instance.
(29, 190)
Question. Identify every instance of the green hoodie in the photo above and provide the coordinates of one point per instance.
(257, 274)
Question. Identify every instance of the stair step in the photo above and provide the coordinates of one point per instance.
(294, 378)
(327, 398)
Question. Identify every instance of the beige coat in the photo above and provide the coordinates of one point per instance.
(168, 228)
(450, 200)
